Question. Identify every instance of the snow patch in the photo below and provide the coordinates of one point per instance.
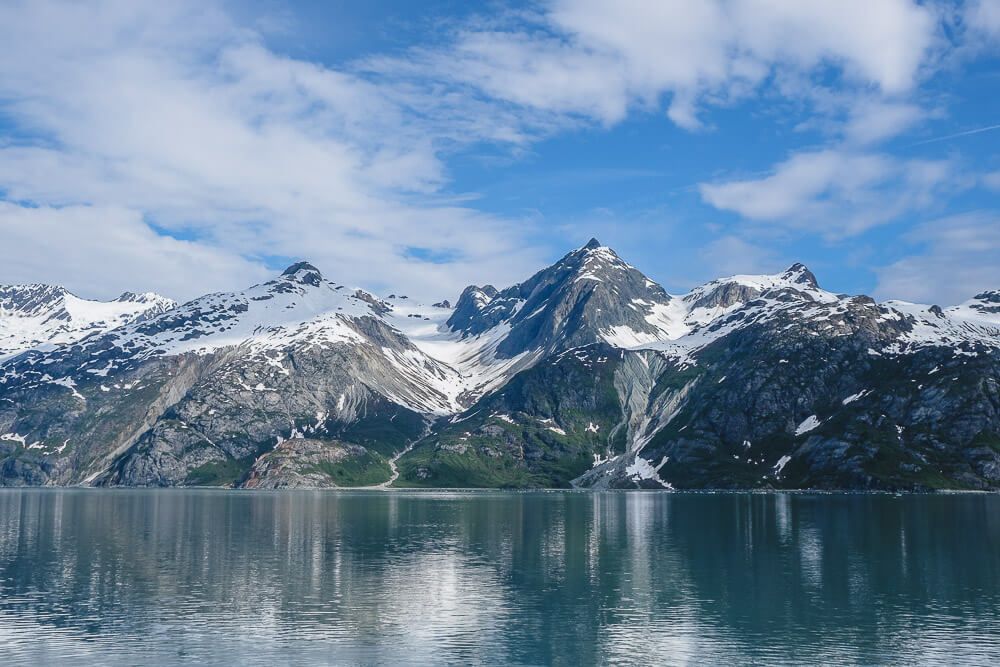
(808, 424)
(641, 469)
(69, 384)
(854, 397)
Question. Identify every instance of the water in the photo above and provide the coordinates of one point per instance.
(214, 577)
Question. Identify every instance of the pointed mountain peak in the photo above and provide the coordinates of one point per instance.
(590, 295)
(800, 273)
(303, 272)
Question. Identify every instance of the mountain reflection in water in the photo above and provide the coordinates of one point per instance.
(214, 577)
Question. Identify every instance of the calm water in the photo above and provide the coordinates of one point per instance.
(206, 577)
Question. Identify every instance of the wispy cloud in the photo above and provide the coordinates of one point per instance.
(730, 255)
(834, 192)
(598, 61)
(184, 117)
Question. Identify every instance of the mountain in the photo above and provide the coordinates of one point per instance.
(36, 316)
(761, 381)
(199, 393)
(586, 374)
(589, 294)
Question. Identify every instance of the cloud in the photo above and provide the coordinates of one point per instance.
(598, 60)
(102, 251)
(984, 16)
(962, 248)
(177, 114)
(836, 192)
(177, 117)
(872, 121)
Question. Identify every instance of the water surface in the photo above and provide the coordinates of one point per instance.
(129, 577)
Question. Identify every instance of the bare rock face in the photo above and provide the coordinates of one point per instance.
(316, 464)
(577, 301)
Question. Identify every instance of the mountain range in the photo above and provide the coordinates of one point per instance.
(587, 374)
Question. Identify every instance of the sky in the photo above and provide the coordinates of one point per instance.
(417, 147)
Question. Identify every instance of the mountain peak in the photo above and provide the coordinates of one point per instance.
(31, 299)
(303, 272)
(590, 295)
(800, 273)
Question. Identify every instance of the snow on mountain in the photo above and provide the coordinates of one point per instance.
(474, 358)
(298, 310)
(723, 306)
(490, 334)
(589, 295)
(298, 305)
(968, 324)
(44, 316)
(981, 310)
(456, 354)
(587, 358)
(621, 306)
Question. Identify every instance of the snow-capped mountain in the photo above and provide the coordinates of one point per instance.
(663, 390)
(224, 377)
(589, 294)
(297, 311)
(36, 316)
(588, 373)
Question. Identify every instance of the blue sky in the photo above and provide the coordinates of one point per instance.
(417, 147)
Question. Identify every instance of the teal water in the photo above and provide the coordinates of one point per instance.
(244, 578)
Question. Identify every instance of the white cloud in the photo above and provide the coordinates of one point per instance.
(599, 59)
(835, 192)
(958, 261)
(103, 251)
(984, 15)
(177, 114)
(174, 113)
(873, 121)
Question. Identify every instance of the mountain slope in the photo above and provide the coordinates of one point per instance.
(773, 382)
(847, 395)
(588, 295)
(198, 393)
(36, 316)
